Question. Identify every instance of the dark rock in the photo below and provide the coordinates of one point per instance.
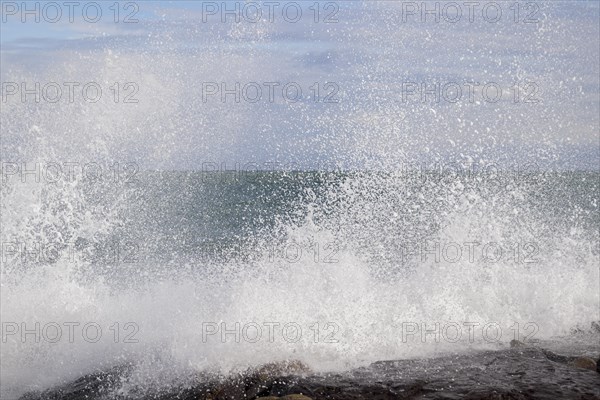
(520, 373)
(585, 363)
(283, 368)
(88, 386)
(557, 357)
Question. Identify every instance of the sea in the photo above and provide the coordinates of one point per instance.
(184, 272)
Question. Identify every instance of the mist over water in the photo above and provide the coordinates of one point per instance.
(208, 237)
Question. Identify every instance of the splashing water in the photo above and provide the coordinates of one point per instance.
(180, 271)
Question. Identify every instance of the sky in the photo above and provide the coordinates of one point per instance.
(381, 82)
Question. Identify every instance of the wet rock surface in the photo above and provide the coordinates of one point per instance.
(516, 373)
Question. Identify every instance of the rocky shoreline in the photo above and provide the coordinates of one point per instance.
(520, 372)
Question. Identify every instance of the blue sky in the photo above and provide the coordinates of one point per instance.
(368, 53)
